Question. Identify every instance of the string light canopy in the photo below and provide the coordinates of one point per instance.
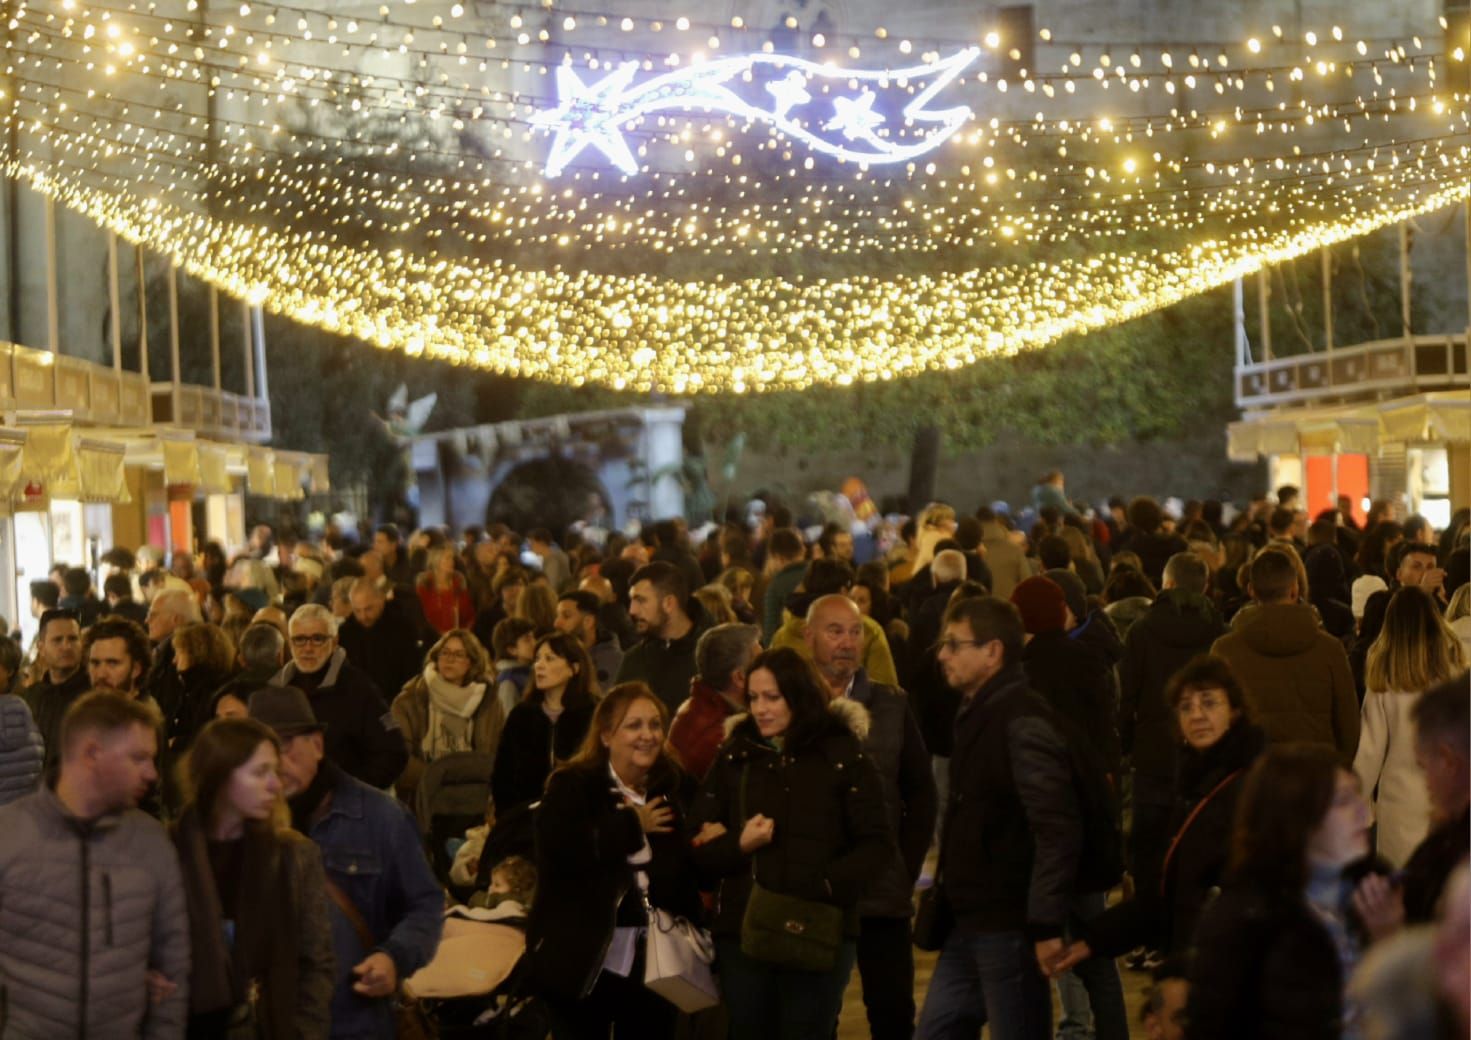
(655, 204)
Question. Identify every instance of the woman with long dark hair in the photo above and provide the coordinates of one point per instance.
(610, 835)
(1275, 951)
(260, 936)
(793, 808)
(549, 724)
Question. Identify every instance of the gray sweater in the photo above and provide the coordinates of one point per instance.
(22, 751)
(87, 910)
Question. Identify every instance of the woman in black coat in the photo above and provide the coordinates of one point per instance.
(1218, 746)
(793, 803)
(547, 727)
(1274, 952)
(610, 832)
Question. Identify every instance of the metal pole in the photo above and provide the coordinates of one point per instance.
(249, 354)
(174, 334)
(1327, 300)
(1466, 206)
(53, 290)
(1404, 278)
(1238, 320)
(114, 303)
(214, 332)
(143, 322)
(1263, 294)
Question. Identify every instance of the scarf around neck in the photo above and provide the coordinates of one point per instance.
(451, 714)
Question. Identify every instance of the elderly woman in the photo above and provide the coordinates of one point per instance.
(791, 807)
(448, 707)
(1218, 743)
(610, 834)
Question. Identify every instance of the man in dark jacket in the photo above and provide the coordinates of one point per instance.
(118, 590)
(1011, 841)
(168, 611)
(386, 915)
(577, 616)
(361, 734)
(381, 638)
(670, 622)
(719, 691)
(1442, 740)
(885, 954)
(60, 649)
(1180, 624)
(388, 544)
(787, 556)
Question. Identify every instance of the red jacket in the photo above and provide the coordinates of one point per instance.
(447, 608)
(699, 728)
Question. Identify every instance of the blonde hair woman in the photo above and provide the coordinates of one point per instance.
(1416, 650)
(935, 524)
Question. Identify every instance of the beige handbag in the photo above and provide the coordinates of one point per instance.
(677, 960)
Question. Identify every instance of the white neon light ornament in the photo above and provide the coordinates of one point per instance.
(778, 89)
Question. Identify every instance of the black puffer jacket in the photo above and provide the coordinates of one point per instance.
(1177, 627)
(1013, 834)
(831, 833)
(1165, 918)
(585, 885)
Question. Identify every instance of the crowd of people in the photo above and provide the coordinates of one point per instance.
(1230, 749)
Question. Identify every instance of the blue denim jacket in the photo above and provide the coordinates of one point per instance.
(371, 851)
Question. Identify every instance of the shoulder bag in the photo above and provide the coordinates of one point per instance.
(784, 930)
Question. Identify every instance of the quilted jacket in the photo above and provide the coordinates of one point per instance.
(85, 910)
(21, 749)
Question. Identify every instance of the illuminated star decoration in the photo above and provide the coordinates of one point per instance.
(856, 117)
(597, 115)
(789, 92)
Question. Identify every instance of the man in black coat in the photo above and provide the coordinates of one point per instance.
(59, 643)
(885, 954)
(670, 621)
(168, 611)
(360, 732)
(1011, 841)
(1180, 624)
(934, 702)
(380, 638)
(1443, 746)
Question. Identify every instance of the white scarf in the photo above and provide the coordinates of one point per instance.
(451, 713)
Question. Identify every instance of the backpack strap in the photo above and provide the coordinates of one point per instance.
(353, 915)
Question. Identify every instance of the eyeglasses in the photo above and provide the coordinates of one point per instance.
(316, 639)
(950, 646)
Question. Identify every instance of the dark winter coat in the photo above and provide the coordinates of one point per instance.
(1012, 835)
(1432, 862)
(935, 703)
(389, 652)
(1165, 918)
(667, 665)
(48, 702)
(896, 747)
(831, 833)
(585, 884)
(361, 735)
(1264, 968)
(1177, 627)
(22, 752)
(1078, 683)
(531, 746)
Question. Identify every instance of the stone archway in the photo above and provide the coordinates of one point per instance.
(552, 492)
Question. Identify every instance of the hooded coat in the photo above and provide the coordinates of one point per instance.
(831, 833)
(1296, 676)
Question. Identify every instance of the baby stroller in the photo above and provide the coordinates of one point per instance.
(452, 797)
(473, 988)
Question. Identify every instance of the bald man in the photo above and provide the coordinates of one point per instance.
(885, 957)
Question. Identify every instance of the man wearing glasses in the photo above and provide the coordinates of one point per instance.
(59, 645)
(1011, 838)
(361, 735)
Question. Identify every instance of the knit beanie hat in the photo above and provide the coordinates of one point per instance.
(1042, 605)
